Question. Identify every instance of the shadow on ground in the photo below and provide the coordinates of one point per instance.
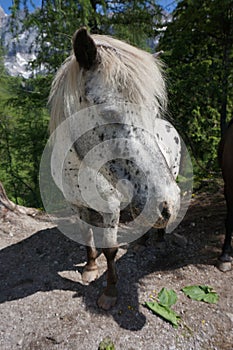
(34, 264)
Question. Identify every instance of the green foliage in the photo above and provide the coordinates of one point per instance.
(62, 18)
(106, 344)
(23, 133)
(134, 21)
(198, 51)
(165, 312)
(166, 298)
(201, 293)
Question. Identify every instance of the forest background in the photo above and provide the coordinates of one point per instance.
(197, 41)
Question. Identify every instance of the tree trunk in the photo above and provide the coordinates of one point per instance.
(5, 203)
(6, 206)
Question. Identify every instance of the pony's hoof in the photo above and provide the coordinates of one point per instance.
(106, 302)
(89, 276)
(224, 266)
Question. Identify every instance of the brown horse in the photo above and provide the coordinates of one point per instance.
(226, 164)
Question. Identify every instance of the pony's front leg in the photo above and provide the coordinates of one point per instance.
(109, 297)
(90, 272)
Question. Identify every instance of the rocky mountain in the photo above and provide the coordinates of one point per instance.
(2, 15)
(20, 50)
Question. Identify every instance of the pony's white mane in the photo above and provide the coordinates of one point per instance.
(133, 72)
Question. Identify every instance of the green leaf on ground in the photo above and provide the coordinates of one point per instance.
(106, 344)
(167, 297)
(201, 293)
(165, 312)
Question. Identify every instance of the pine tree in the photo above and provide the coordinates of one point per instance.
(198, 51)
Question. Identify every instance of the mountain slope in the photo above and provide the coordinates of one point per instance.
(19, 51)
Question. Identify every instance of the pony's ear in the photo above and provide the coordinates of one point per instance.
(85, 49)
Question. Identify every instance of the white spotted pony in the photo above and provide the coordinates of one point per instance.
(118, 92)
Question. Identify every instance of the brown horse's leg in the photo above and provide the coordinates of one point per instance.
(109, 297)
(226, 258)
(90, 272)
(226, 162)
(227, 249)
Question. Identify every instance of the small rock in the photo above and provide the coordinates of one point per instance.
(230, 316)
(180, 240)
(20, 342)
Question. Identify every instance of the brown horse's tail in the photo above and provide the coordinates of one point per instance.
(220, 151)
(222, 142)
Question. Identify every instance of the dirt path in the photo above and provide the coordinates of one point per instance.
(44, 305)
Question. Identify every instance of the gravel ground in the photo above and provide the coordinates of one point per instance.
(44, 305)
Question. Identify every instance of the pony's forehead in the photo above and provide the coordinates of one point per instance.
(107, 42)
(103, 43)
(107, 46)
